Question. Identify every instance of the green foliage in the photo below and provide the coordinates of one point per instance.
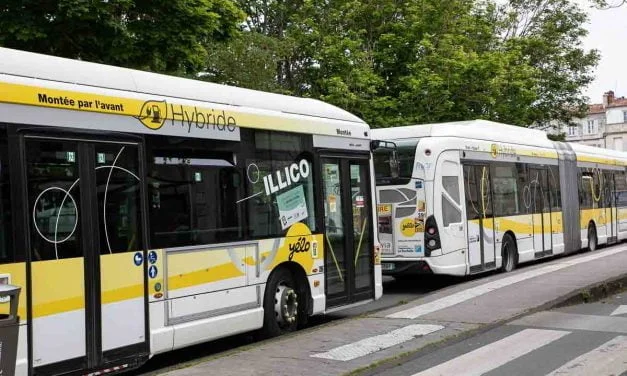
(395, 62)
(391, 62)
(557, 137)
(157, 35)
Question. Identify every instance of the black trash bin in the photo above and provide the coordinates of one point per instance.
(9, 329)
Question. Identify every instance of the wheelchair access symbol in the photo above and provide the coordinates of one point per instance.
(152, 257)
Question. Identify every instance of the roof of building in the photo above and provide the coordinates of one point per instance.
(596, 108)
(618, 102)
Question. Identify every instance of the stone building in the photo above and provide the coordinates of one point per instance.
(605, 125)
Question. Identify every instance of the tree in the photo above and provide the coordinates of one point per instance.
(157, 35)
(608, 4)
(249, 59)
(396, 62)
(549, 33)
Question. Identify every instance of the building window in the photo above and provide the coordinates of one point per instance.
(591, 129)
(625, 116)
(618, 143)
(572, 131)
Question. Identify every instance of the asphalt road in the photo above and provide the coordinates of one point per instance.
(394, 293)
(585, 339)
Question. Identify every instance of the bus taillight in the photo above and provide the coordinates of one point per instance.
(432, 237)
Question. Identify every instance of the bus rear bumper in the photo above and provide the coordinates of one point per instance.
(452, 263)
(400, 268)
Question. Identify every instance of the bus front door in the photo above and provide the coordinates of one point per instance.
(86, 253)
(348, 230)
(480, 219)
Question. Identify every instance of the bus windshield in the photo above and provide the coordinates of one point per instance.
(383, 162)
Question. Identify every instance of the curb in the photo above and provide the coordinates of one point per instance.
(588, 294)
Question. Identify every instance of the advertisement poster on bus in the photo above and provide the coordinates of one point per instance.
(384, 214)
(409, 229)
(292, 206)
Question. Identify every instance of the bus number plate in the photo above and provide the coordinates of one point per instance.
(387, 266)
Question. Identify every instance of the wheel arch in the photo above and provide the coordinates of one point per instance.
(302, 282)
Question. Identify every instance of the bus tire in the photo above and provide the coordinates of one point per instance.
(509, 253)
(280, 304)
(593, 240)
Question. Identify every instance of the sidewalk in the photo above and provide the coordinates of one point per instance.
(352, 344)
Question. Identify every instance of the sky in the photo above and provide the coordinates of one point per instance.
(608, 34)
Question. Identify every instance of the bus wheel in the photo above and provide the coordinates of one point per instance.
(593, 241)
(280, 304)
(509, 253)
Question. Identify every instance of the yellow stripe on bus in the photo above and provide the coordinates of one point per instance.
(525, 223)
(601, 160)
(168, 110)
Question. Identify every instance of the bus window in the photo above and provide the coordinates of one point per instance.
(620, 179)
(118, 198)
(586, 187)
(280, 174)
(506, 195)
(54, 192)
(450, 212)
(556, 193)
(405, 154)
(192, 193)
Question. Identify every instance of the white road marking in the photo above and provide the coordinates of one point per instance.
(462, 296)
(373, 344)
(621, 310)
(574, 321)
(496, 354)
(608, 359)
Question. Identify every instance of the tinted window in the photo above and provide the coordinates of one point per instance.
(280, 191)
(193, 189)
(54, 196)
(450, 212)
(505, 188)
(478, 193)
(620, 180)
(586, 184)
(554, 184)
(119, 208)
(405, 155)
(525, 202)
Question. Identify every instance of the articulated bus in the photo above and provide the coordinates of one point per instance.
(143, 213)
(468, 197)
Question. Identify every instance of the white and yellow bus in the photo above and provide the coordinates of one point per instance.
(143, 213)
(468, 197)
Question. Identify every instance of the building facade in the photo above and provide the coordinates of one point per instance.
(604, 126)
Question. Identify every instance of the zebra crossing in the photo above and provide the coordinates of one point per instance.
(550, 343)
(609, 358)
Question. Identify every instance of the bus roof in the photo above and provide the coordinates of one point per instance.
(586, 153)
(52, 69)
(472, 129)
